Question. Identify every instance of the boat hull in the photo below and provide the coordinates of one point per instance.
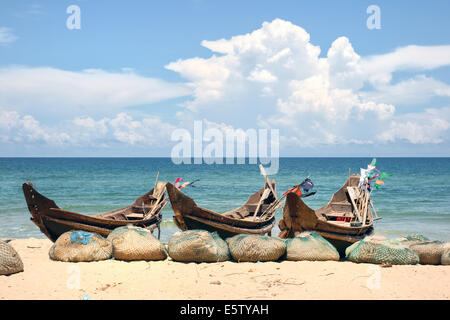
(298, 217)
(224, 230)
(188, 216)
(53, 221)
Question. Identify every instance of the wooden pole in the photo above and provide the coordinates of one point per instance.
(264, 195)
(263, 171)
(156, 203)
(365, 208)
(156, 181)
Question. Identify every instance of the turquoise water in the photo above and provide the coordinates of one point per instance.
(416, 199)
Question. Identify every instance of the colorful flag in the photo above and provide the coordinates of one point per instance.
(295, 189)
(371, 166)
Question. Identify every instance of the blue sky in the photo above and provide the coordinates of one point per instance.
(138, 70)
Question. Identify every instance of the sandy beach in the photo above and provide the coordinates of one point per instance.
(44, 279)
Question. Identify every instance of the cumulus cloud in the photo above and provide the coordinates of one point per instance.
(85, 131)
(15, 128)
(274, 77)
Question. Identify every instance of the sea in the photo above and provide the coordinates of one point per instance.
(414, 200)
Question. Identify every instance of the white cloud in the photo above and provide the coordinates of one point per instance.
(416, 90)
(273, 77)
(85, 131)
(15, 128)
(7, 36)
(91, 91)
(431, 126)
(379, 68)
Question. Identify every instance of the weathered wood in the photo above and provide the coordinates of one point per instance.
(365, 208)
(240, 220)
(263, 197)
(53, 221)
(353, 197)
(298, 217)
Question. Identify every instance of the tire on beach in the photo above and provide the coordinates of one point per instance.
(378, 252)
(254, 248)
(310, 246)
(429, 252)
(10, 261)
(133, 243)
(445, 257)
(198, 246)
(80, 246)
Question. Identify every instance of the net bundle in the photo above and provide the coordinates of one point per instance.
(253, 248)
(310, 246)
(10, 261)
(134, 243)
(379, 252)
(445, 257)
(429, 252)
(198, 246)
(80, 246)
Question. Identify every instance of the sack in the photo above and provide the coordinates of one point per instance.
(412, 239)
(253, 248)
(387, 251)
(198, 246)
(310, 246)
(10, 261)
(429, 252)
(134, 243)
(80, 246)
(445, 258)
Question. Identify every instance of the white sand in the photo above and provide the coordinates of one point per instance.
(111, 279)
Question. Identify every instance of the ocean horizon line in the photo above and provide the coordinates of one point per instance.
(224, 158)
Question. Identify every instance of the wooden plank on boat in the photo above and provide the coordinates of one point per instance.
(233, 229)
(263, 197)
(353, 197)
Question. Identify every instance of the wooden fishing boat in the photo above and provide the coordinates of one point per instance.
(255, 216)
(144, 212)
(347, 218)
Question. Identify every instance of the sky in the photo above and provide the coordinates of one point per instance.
(136, 71)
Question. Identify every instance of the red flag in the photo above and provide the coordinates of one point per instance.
(295, 189)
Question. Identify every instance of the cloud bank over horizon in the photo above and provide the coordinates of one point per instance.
(272, 77)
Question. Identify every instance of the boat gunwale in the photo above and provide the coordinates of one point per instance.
(216, 216)
(50, 211)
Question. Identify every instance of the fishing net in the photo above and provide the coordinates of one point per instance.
(198, 246)
(10, 261)
(378, 252)
(429, 252)
(80, 246)
(445, 257)
(134, 243)
(310, 246)
(253, 248)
